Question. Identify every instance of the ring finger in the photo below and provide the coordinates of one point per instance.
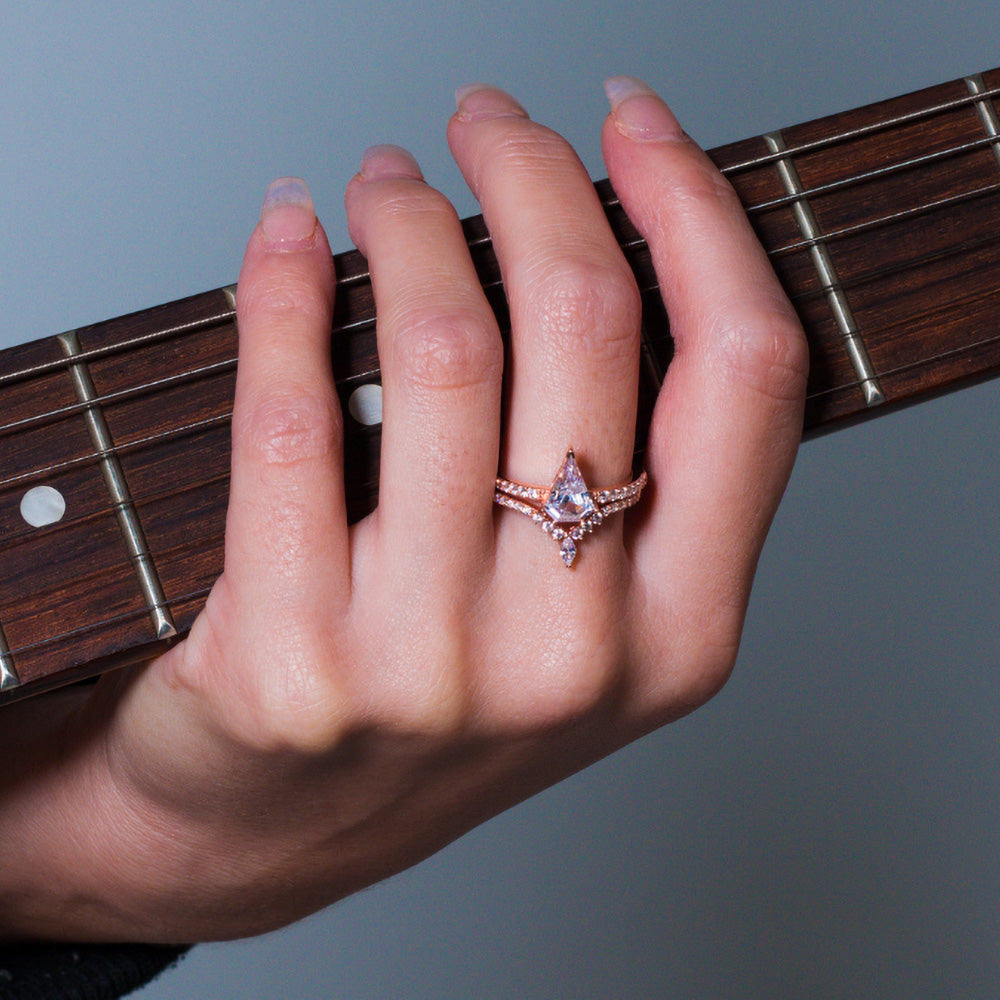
(573, 371)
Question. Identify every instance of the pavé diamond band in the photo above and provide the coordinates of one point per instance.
(567, 510)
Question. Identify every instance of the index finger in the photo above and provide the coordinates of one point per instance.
(286, 529)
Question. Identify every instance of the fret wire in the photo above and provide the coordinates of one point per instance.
(115, 397)
(888, 123)
(826, 270)
(8, 672)
(114, 477)
(104, 623)
(907, 213)
(62, 364)
(874, 174)
(986, 112)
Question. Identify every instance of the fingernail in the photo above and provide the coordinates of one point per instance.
(381, 163)
(288, 218)
(639, 113)
(479, 101)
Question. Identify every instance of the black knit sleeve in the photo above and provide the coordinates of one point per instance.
(80, 972)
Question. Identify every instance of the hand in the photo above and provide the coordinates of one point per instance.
(351, 700)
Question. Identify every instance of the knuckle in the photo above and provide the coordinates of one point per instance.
(422, 684)
(299, 712)
(291, 705)
(767, 354)
(283, 297)
(448, 349)
(576, 675)
(289, 428)
(695, 184)
(404, 200)
(592, 307)
(690, 656)
(524, 146)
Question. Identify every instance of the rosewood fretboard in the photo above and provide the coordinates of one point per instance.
(883, 225)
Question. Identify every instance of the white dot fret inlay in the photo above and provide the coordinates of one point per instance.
(42, 505)
(365, 404)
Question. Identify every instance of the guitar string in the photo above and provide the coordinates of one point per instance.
(120, 395)
(167, 382)
(143, 612)
(613, 202)
(876, 173)
(131, 343)
(28, 533)
(223, 419)
(838, 138)
(110, 621)
(227, 364)
(862, 227)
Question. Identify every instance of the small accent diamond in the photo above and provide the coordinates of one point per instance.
(568, 551)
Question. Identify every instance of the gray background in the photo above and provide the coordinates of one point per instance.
(828, 826)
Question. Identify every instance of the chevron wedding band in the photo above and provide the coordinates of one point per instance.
(567, 510)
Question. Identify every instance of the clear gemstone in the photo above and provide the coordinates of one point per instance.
(569, 499)
(568, 551)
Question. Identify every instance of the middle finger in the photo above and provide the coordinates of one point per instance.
(441, 364)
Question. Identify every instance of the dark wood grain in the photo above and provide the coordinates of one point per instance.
(923, 284)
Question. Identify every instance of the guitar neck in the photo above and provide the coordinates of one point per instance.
(882, 223)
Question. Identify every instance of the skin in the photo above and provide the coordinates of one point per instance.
(353, 699)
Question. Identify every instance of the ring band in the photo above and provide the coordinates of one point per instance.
(567, 510)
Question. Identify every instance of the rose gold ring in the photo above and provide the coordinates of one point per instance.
(567, 510)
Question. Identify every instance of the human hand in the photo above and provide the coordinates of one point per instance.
(352, 699)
